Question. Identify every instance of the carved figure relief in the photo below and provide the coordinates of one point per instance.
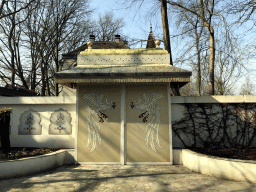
(152, 110)
(60, 123)
(30, 123)
(94, 116)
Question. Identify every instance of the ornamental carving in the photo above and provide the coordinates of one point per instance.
(152, 110)
(30, 123)
(60, 123)
(95, 116)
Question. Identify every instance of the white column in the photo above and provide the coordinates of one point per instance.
(76, 128)
(123, 127)
(170, 121)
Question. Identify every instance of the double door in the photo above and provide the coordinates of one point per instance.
(123, 124)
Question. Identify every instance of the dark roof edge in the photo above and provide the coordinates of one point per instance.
(153, 74)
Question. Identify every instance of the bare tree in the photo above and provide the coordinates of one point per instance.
(6, 10)
(13, 15)
(106, 27)
(204, 10)
(229, 63)
(247, 88)
(55, 27)
(166, 35)
(52, 28)
(244, 9)
(192, 28)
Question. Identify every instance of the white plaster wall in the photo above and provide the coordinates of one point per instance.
(215, 99)
(177, 114)
(67, 91)
(32, 165)
(178, 111)
(47, 105)
(225, 168)
(45, 110)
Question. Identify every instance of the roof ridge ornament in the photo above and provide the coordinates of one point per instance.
(89, 44)
(157, 42)
(151, 39)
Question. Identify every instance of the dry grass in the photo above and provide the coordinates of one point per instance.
(18, 152)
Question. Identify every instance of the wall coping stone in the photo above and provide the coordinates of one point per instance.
(38, 100)
(215, 99)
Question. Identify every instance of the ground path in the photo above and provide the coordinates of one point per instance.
(122, 178)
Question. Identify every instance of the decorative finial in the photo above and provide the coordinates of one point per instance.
(157, 43)
(150, 28)
(89, 44)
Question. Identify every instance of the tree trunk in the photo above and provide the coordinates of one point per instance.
(18, 61)
(33, 76)
(56, 69)
(207, 24)
(167, 44)
(57, 51)
(198, 64)
(47, 85)
(33, 66)
(212, 60)
(164, 17)
(175, 90)
(12, 51)
(43, 79)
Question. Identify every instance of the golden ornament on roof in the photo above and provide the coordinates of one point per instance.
(89, 44)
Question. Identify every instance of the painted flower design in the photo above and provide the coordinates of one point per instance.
(60, 121)
(29, 122)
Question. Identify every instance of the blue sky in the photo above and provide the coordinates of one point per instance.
(137, 24)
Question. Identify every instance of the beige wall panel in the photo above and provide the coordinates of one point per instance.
(140, 133)
(99, 137)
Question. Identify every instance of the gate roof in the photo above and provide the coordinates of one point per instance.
(123, 66)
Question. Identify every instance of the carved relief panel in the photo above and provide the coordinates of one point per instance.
(95, 116)
(60, 123)
(147, 125)
(150, 116)
(99, 123)
(30, 123)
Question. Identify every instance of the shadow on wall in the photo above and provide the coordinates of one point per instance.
(214, 124)
(4, 130)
